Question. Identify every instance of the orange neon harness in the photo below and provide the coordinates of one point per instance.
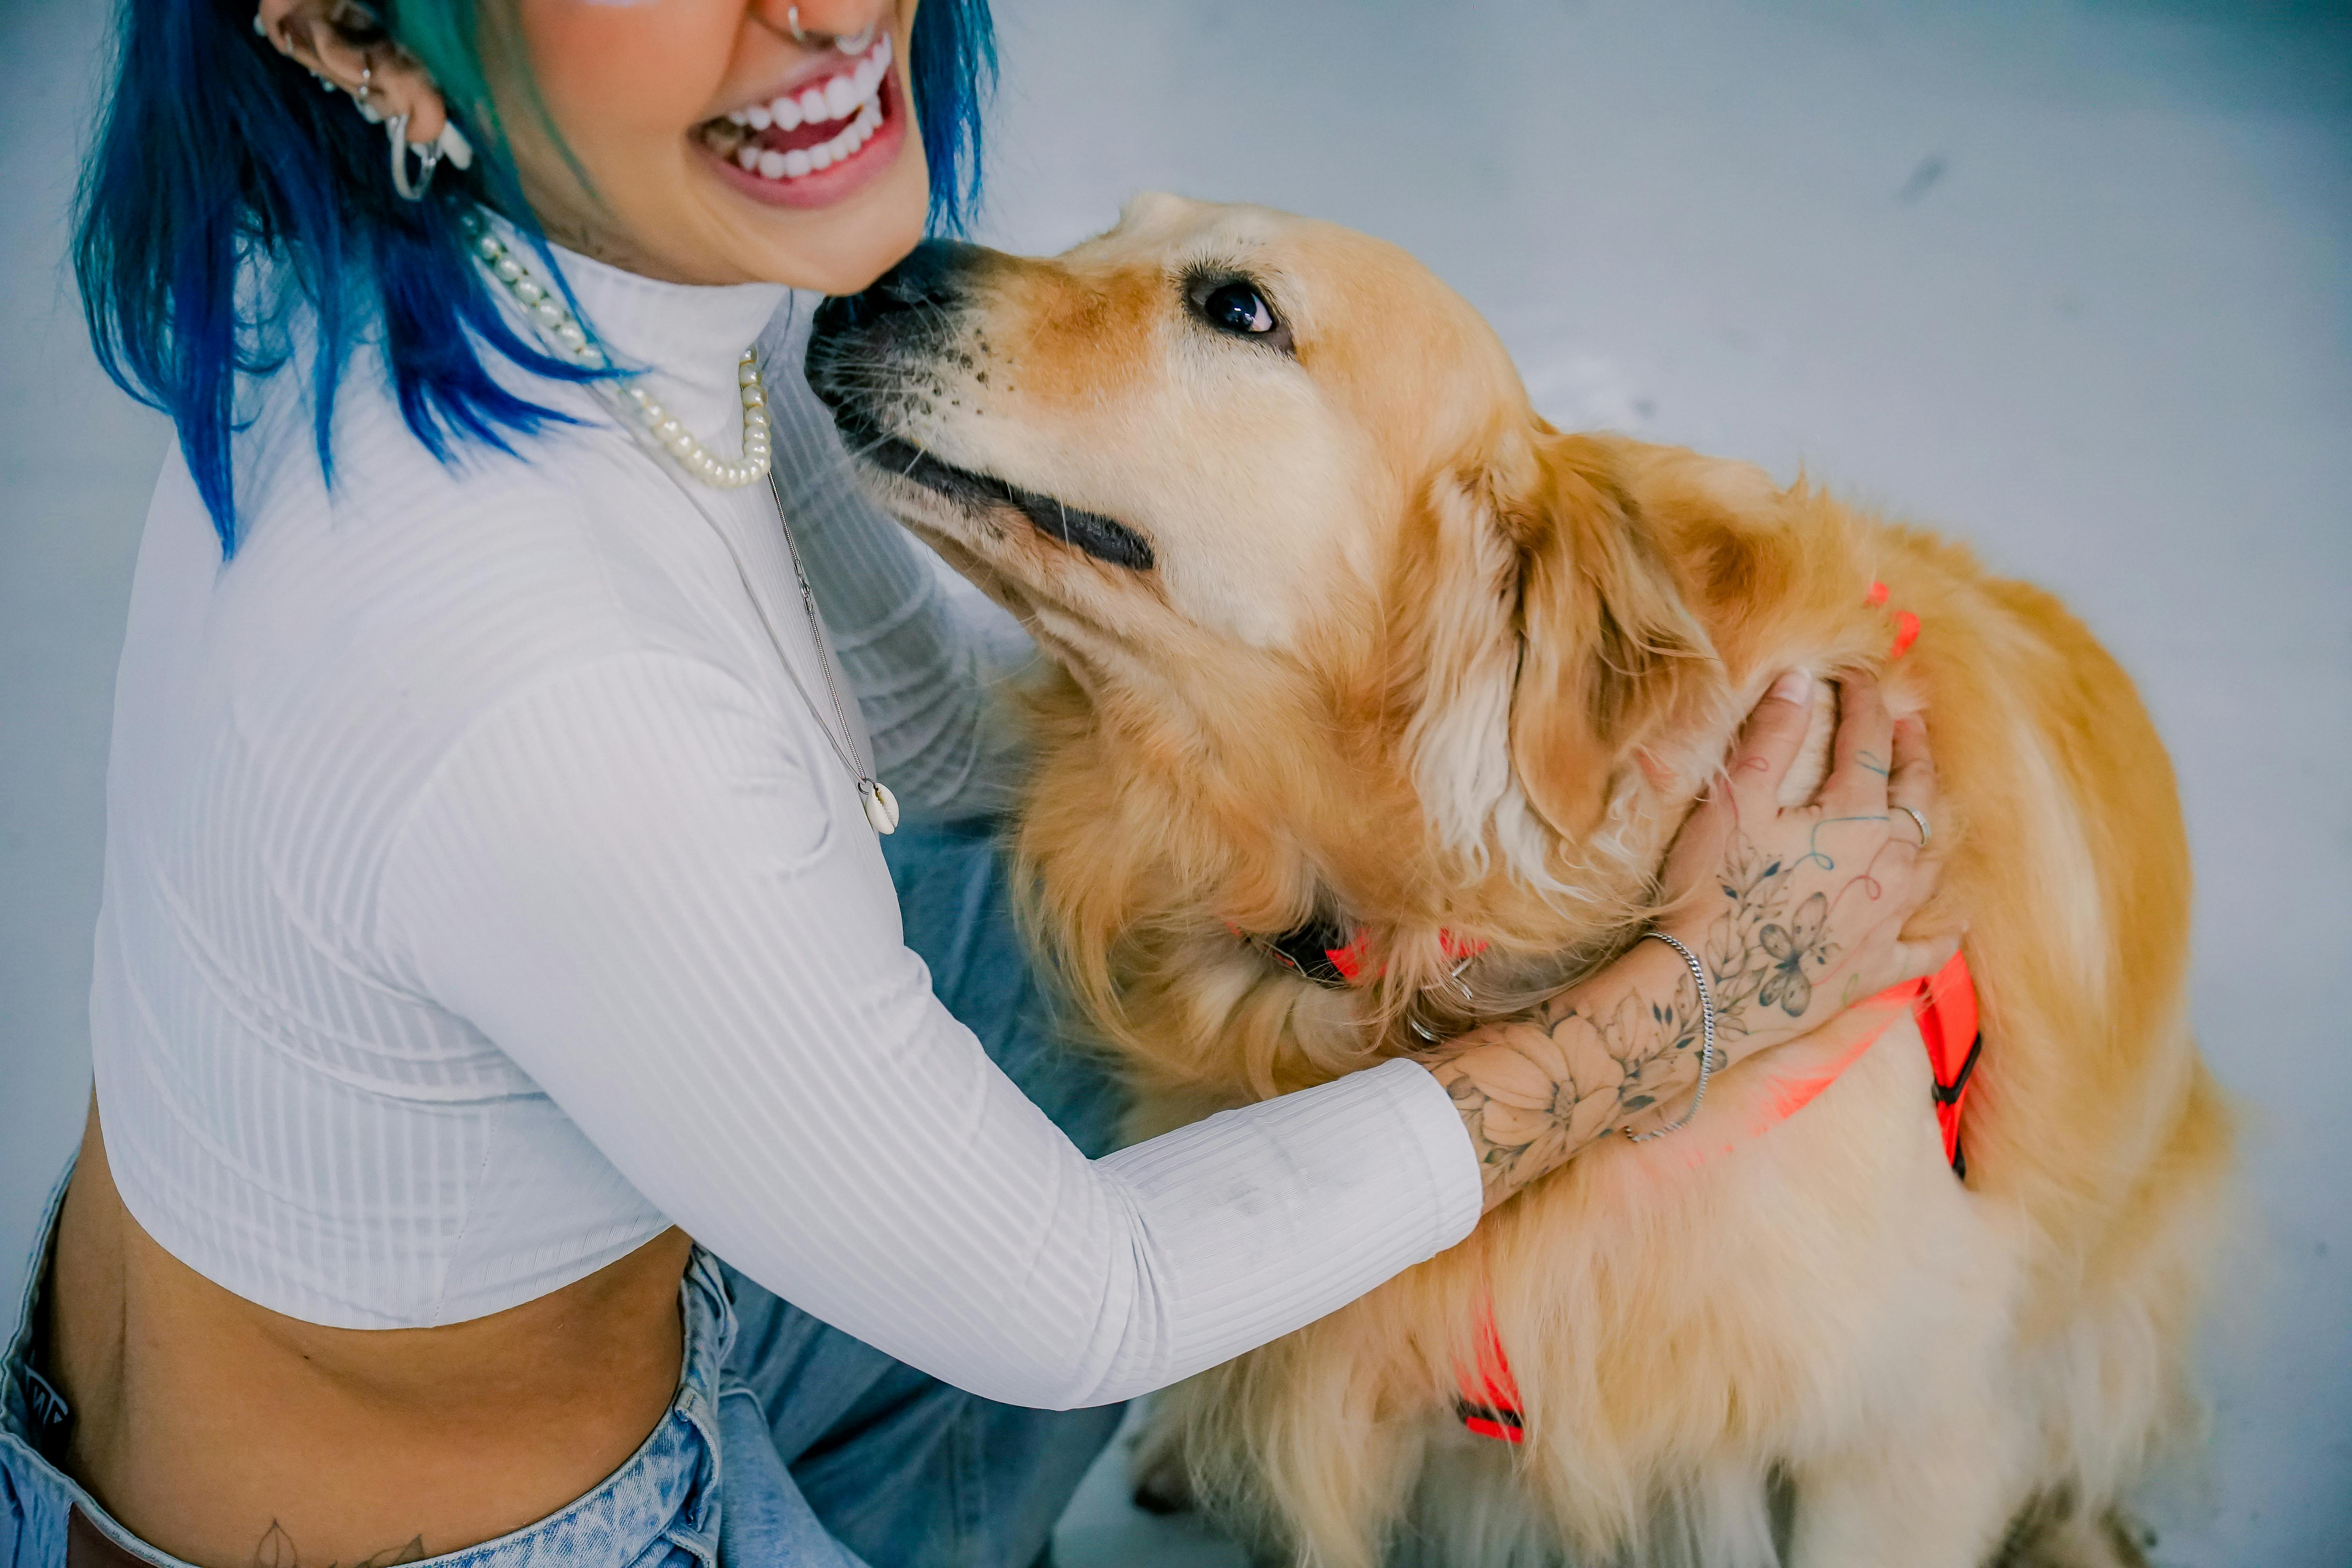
(1945, 1006)
(1943, 1003)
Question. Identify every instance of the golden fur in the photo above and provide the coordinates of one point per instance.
(1409, 654)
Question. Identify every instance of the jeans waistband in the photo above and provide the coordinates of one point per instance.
(664, 1496)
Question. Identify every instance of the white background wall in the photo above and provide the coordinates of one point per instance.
(2068, 279)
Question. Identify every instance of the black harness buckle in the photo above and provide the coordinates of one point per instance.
(1312, 952)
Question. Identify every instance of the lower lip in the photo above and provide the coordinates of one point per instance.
(825, 186)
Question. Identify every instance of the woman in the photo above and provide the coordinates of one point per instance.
(495, 918)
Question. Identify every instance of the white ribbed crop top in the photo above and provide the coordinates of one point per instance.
(481, 899)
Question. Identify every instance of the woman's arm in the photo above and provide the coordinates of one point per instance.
(666, 909)
(665, 905)
(927, 663)
(1795, 912)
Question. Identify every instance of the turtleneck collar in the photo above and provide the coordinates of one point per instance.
(686, 337)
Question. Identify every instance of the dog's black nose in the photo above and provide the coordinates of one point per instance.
(928, 279)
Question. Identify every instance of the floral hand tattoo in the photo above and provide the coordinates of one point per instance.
(1768, 950)
(1813, 899)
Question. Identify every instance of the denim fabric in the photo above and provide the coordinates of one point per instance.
(790, 1444)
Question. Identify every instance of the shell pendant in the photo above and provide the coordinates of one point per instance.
(881, 806)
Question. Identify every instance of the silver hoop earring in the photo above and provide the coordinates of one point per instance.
(429, 160)
(793, 24)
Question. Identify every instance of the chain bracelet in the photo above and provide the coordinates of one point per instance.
(1706, 1041)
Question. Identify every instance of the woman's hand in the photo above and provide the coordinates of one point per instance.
(1797, 912)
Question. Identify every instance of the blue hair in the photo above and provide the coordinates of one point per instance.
(222, 177)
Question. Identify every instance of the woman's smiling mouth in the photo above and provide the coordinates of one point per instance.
(813, 146)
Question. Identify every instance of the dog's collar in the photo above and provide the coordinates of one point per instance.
(1335, 957)
(1322, 950)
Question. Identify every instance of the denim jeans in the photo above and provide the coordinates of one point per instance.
(789, 1444)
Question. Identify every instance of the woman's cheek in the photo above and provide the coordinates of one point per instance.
(614, 70)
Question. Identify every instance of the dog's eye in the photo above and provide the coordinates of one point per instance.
(1238, 308)
(1234, 305)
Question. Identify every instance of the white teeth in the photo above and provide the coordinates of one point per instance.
(852, 97)
(862, 129)
(773, 165)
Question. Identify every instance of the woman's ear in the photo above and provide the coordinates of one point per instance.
(345, 46)
(1550, 641)
(1610, 653)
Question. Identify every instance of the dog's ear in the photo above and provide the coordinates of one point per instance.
(1610, 651)
(1558, 641)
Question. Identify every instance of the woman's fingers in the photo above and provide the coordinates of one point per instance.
(1857, 783)
(1770, 739)
(1912, 782)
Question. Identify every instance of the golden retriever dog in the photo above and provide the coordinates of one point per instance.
(1342, 632)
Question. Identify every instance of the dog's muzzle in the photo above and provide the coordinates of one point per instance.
(869, 360)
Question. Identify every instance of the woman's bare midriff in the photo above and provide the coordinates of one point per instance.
(235, 1437)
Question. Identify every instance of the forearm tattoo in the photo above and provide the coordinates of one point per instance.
(1532, 1091)
(275, 1549)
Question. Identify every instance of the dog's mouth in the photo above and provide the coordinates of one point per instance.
(1104, 538)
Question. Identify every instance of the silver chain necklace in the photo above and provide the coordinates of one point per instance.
(660, 430)
(881, 806)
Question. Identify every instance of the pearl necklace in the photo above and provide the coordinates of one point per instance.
(635, 403)
(658, 426)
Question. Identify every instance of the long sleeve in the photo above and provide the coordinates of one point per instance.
(631, 879)
(927, 659)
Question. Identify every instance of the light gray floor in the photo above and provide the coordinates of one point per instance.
(2069, 280)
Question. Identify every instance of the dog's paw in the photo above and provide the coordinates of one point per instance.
(2063, 1537)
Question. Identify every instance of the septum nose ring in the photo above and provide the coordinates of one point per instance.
(847, 43)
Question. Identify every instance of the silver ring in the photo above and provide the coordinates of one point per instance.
(793, 24)
(1924, 834)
